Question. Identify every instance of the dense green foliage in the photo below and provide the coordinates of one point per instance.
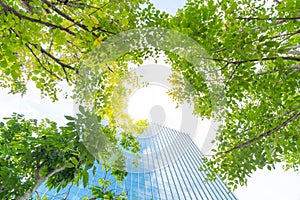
(32, 152)
(256, 49)
(44, 41)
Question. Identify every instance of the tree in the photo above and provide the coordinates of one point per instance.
(255, 47)
(33, 153)
(44, 41)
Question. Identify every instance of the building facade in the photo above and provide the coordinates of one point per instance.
(167, 169)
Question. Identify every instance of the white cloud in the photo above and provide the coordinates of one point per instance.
(33, 106)
(271, 185)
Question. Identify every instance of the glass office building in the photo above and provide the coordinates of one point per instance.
(167, 169)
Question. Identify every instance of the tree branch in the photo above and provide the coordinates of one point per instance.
(49, 4)
(36, 57)
(245, 61)
(37, 174)
(273, 37)
(58, 61)
(80, 50)
(252, 60)
(43, 51)
(39, 61)
(293, 47)
(263, 19)
(95, 28)
(296, 67)
(66, 74)
(74, 4)
(271, 118)
(39, 181)
(21, 16)
(266, 134)
(278, 2)
(68, 192)
(265, 59)
(231, 76)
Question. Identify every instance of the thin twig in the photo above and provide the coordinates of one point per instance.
(39, 61)
(273, 37)
(263, 19)
(54, 58)
(64, 15)
(231, 76)
(21, 16)
(266, 134)
(296, 67)
(68, 192)
(90, 14)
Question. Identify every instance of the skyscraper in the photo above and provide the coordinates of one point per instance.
(167, 169)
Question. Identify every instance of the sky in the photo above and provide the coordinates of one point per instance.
(263, 184)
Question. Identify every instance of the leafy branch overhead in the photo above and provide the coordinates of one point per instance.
(33, 153)
(54, 37)
(256, 49)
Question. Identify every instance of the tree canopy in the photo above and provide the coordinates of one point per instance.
(45, 41)
(254, 46)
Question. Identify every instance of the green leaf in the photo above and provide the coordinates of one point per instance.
(74, 161)
(70, 165)
(81, 109)
(125, 21)
(271, 43)
(85, 176)
(34, 78)
(14, 75)
(69, 118)
(262, 38)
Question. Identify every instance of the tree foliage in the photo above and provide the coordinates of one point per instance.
(104, 191)
(31, 152)
(44, 41)
(35, 152)
(255, 46)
